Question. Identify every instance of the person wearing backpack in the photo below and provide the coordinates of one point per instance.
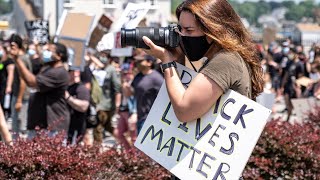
(111, 97)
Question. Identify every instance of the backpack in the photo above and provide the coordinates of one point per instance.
(96, 91)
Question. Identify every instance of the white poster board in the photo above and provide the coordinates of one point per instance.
(129, 19)
(216, 147)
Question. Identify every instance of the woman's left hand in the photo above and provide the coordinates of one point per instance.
(159, 52)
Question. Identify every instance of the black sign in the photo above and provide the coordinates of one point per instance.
(39, 30)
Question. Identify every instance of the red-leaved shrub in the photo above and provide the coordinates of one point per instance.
(286, 151)
(49, 158)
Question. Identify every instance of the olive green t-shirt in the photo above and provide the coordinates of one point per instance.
(229, 71)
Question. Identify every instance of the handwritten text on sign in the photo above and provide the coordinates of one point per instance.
(215, 146)
(39, 30)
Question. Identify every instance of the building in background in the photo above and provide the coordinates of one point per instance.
(51, 10)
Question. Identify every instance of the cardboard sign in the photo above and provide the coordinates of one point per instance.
(73, 31)
(102, 28)
(38, 30)
(215, 146)
(304, 81)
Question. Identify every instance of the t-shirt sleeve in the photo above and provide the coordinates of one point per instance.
(83, 93)
(225, 69)
(52, 78)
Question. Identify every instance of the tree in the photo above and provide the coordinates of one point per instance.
(248, 11)
(262, 7)
(174, 5)
(5, 7)
(296, 12)
(309, 6)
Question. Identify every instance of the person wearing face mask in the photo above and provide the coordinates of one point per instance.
(210, 30)
(145, 86)
(34, 57)
(293, 71)
(48, 106)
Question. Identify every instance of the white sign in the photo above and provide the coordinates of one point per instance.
(215, 146)
(130, 18)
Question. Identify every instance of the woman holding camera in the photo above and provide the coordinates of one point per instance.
(211, 30)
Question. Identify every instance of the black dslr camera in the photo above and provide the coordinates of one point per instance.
(164, 36)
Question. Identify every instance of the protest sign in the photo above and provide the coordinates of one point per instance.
(102, 28)
(73, 31)
(38, 30)
(129, 19)
(215, 146)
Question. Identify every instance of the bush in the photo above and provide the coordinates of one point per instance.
(48, 158)
(283, 150)
(287, 151)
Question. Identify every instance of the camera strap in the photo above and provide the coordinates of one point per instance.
(205, 62)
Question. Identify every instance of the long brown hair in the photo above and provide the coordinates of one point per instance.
(220, 22)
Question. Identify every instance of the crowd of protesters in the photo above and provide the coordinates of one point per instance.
(291, 71)
(40, 89)
(45, 91)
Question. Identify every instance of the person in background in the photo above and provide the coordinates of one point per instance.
(48, 107)
(78, 97)
(127, 112)
(34, 57)
(20, 91)
(6, 78)
(111, 97)
(145, 87)
(293, 71)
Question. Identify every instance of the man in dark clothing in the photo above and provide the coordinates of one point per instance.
(146, 85)
(78, 97)
(48, 106)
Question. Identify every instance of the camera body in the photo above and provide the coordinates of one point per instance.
(164, 36)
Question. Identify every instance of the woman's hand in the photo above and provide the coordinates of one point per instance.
(159, 52)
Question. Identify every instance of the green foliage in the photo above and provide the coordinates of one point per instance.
(5, 7)
(174, 5)
(252, 10)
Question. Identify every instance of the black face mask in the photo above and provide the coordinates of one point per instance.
(194, 47)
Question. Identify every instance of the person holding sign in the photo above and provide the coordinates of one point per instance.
(211, 31)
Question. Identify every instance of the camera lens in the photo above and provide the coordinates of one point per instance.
(128, 37)
(133, 37)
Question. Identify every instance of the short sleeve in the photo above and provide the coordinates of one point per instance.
(225, 68)
(83, 93)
